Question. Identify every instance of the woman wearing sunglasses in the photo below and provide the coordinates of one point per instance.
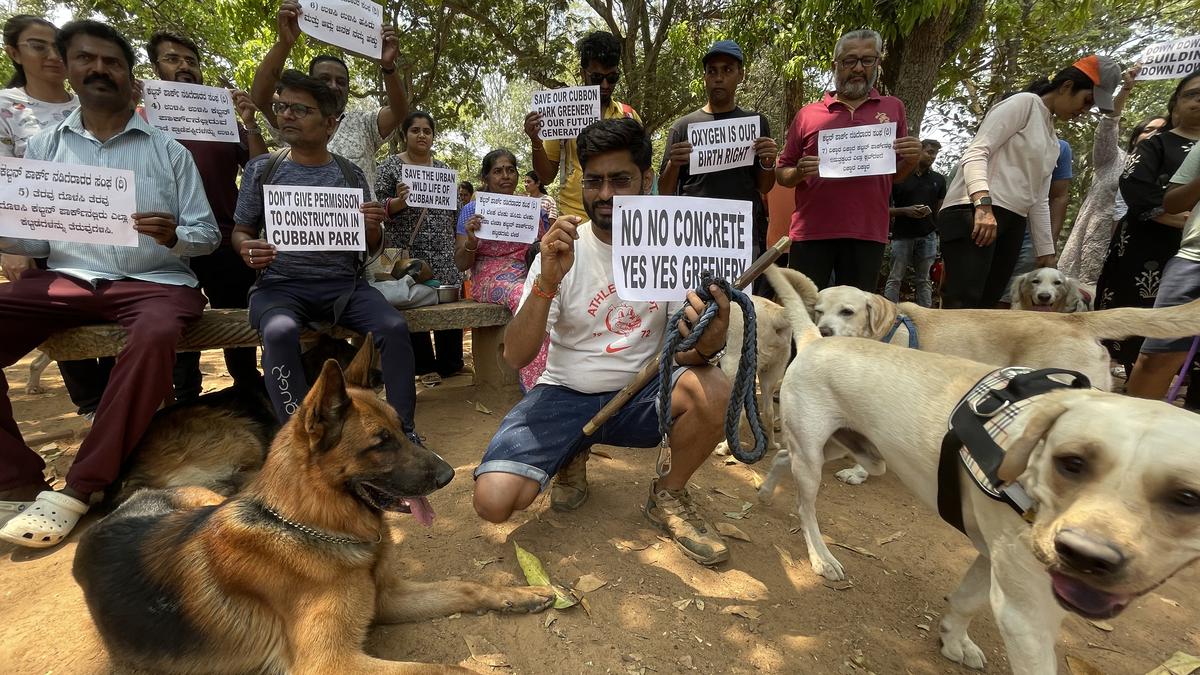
(35, 97)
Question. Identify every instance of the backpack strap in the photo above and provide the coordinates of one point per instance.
(348, 173)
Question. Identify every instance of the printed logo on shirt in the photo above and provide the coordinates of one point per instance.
(625, 322)
(882, 117)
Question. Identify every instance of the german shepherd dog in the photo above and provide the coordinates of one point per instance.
(219, 440)
(288, 575)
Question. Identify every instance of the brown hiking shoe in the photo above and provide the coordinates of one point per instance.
(674, 513)
(570, 489)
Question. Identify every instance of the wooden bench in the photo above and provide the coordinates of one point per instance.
(223, 328)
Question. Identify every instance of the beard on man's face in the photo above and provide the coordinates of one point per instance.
(600, 220)
(852, 88)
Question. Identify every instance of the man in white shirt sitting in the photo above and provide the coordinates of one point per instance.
(597, 342)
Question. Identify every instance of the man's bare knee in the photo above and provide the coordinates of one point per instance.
(498, 495)
(705, 391)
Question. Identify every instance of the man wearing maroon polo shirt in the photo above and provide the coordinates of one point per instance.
(840, 225)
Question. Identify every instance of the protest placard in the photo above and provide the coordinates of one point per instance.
(190, 112)
(857, 151)
(662, 245)
(508, 217)
(67, 202)
(1171, 59)
(354, 25)
(301, 218)
(722, 144)
(430, 187)
(566, 111)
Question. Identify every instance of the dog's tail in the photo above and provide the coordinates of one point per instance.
(796, 293)
(1164, 322)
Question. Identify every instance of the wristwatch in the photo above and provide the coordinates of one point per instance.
(983, 201)
(715, 358)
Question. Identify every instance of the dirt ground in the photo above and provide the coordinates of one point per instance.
(659, 612)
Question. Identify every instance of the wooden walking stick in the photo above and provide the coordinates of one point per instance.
(650, 370)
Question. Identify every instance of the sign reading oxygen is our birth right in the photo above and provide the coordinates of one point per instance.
(663, 245)
(722, 144)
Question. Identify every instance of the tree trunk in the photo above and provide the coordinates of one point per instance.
(911, 69)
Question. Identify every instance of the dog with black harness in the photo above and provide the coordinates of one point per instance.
(1112, 482)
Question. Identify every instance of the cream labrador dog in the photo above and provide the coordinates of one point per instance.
(994, 336)
(1049, 290)
(774, 350)
(1116, 482)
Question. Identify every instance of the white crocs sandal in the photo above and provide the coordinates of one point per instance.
(45, 522)
(10, 510)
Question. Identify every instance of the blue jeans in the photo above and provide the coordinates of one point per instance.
(919, 253)
(1025, 264)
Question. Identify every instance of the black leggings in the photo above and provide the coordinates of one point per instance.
(976, 276)
(849, 262)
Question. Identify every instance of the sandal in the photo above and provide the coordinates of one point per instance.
(431, 379)
(45, 522)
(10, 510)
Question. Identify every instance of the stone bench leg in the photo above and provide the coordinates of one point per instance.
(487, 346)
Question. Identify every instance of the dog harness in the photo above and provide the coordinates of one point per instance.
(902, 319)
(978, 427)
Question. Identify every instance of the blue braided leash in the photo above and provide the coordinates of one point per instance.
(742, 395)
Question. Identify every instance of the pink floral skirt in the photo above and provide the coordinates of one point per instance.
(500, 281)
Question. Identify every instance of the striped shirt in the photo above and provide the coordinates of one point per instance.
(166, 180)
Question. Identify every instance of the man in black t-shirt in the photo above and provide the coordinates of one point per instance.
(915, 203)
(723, 72)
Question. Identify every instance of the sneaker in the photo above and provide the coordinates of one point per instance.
(674, 513)
(417, 439)
(570, 489)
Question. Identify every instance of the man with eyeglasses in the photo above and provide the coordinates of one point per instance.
(597, 342)
(296, 288)
(148, 289)
(359, 134)
(723, 72)
(840, 226)
(223, 277)
(599, 65)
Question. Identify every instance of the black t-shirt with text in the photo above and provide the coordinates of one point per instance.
(928, 188)
(739, 183)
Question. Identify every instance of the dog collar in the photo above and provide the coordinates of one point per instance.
(318, 534)
(912, 331)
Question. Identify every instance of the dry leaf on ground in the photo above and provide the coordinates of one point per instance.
(589, 582)
(732, 531)
(483, 408)
(1078, 666)
(744, 611)
(485, 652)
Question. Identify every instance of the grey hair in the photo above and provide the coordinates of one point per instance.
(860, 34)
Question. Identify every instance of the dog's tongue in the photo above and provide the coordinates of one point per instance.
(421, 510)
(1085, 600)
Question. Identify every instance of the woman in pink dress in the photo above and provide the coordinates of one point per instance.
(498, 268)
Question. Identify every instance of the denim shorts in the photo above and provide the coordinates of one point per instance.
(1180, 285)
(544, 431)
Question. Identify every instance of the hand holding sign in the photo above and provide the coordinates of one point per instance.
(767, 152)
(159, 226)
(680, 154)
(288, 22)
(558, 249)
(908, 148)
(257, 253)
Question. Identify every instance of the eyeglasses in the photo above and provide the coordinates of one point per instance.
(598, 78)
(39, 47)
(176, 59)
(617, 182)
(851, 61)
(298, 110)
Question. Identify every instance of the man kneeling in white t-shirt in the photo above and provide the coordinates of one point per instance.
(597, 343)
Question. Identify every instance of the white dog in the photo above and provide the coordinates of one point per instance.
(774, 350)
(1115, 480)
(1049, 290)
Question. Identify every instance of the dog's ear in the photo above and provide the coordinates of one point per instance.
(325, 407)
(881, 314)
(358, 373)
(1024, 434)
(1072, 299)
(1018, 294)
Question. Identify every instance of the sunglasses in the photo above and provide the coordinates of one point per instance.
(618, 183)
(599, 78)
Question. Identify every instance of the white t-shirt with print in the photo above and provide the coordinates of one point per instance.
(597, 340)
(356, 138)
(23, 117)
